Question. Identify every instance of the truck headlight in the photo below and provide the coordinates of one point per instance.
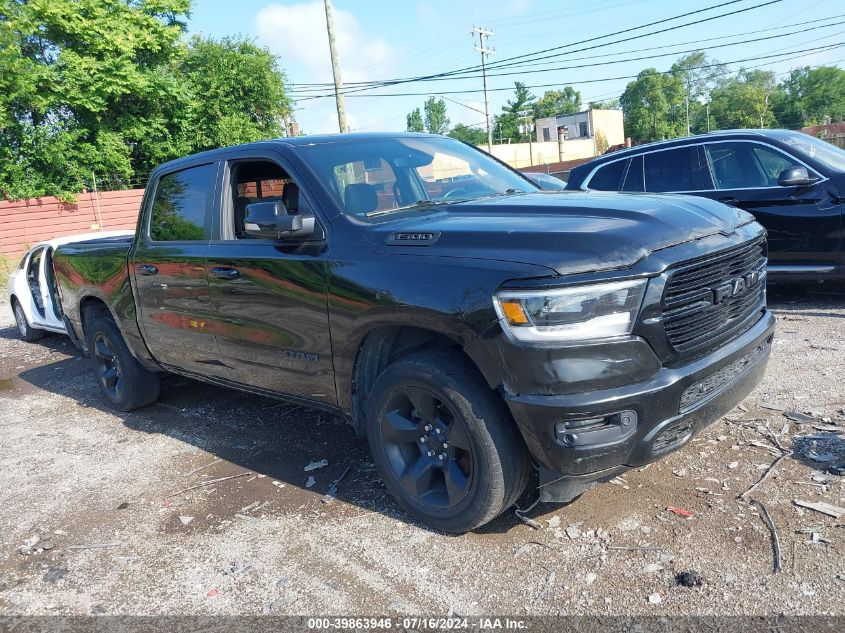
(571, 314)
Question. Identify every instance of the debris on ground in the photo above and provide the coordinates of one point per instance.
(652, 568)
(573, 531)
(185, 519)
(35, 545)
(679, 511)
(775, 540)
(331, 493)
(590, 578)
(655, 598)
(123, 506)
(520, 514)
(690, 578)
(768, 472)
(821, 506)
(207, 483)
(320, 463)
(797, 416)
(278, 484)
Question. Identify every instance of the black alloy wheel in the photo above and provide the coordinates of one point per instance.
(444, 442)
(427, 447)
(108, 369)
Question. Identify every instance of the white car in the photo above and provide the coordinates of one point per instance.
(32, 287)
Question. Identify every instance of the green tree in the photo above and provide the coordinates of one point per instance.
(809, 95)
(607, 104)
(436, 121)
(699, 74)
(110, 86)
(555, 102)
(743, 101)
(510, 124)
(238, 92)
(415, 121)
(467, 134)
(652, 104)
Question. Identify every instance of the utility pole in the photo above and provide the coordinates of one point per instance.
(483, 34)
(338, 82)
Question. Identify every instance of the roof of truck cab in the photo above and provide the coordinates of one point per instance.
(315, 139)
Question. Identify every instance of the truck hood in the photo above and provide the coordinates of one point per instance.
(570, 232)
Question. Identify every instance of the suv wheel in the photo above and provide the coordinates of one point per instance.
(27, 332)
(122, 379)
(444, 443)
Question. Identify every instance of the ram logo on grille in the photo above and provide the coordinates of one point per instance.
(736, 287)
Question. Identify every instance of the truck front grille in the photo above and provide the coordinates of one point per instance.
(713, 297)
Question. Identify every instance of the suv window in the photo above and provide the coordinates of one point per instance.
(677, 169)
(180, 203)
(634, 176)
(740, 165)
(608, 177)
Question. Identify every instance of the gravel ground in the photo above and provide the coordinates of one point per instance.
(95, 518)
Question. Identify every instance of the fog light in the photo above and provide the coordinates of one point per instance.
(588, 431)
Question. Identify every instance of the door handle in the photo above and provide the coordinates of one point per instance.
(225, 273)
(147, 269)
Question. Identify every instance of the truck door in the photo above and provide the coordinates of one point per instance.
(168, 269)
(270, 295)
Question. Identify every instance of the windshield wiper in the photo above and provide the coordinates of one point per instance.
(416, 205)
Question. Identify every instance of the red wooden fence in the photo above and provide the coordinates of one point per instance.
(25, 222)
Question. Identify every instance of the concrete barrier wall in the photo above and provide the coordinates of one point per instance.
(521, 155)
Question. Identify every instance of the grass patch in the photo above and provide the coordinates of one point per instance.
(7, 265)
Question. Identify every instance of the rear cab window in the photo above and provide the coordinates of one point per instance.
(180, 205)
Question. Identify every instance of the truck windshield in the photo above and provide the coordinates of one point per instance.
(374, 177)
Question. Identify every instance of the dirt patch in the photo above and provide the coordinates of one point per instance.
(108, 491)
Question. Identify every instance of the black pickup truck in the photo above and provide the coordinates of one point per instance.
(466, 322)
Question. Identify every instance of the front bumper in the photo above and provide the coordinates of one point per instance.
(668, 409)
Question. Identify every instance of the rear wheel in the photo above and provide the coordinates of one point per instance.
(444, 443)
(27, 332)
(122, 379)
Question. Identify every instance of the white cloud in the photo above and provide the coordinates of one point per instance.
(297, 33)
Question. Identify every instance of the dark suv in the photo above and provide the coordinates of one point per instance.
(794, 184)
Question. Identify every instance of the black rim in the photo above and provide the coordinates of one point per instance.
(109, 372)
(21, 319)
(427, 447)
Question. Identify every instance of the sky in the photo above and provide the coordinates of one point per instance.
(388, 39)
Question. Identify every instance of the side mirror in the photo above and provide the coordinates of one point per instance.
(795, 177)
(270, 220)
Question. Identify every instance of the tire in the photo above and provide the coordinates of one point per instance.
(122, 379)
(444, 444)
(26, 331)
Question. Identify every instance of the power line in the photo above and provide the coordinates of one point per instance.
(510, 60)
(645, 57)
(805, 53)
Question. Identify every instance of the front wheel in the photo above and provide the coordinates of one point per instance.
(122, 379)
(27, 332)
(444, 443)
